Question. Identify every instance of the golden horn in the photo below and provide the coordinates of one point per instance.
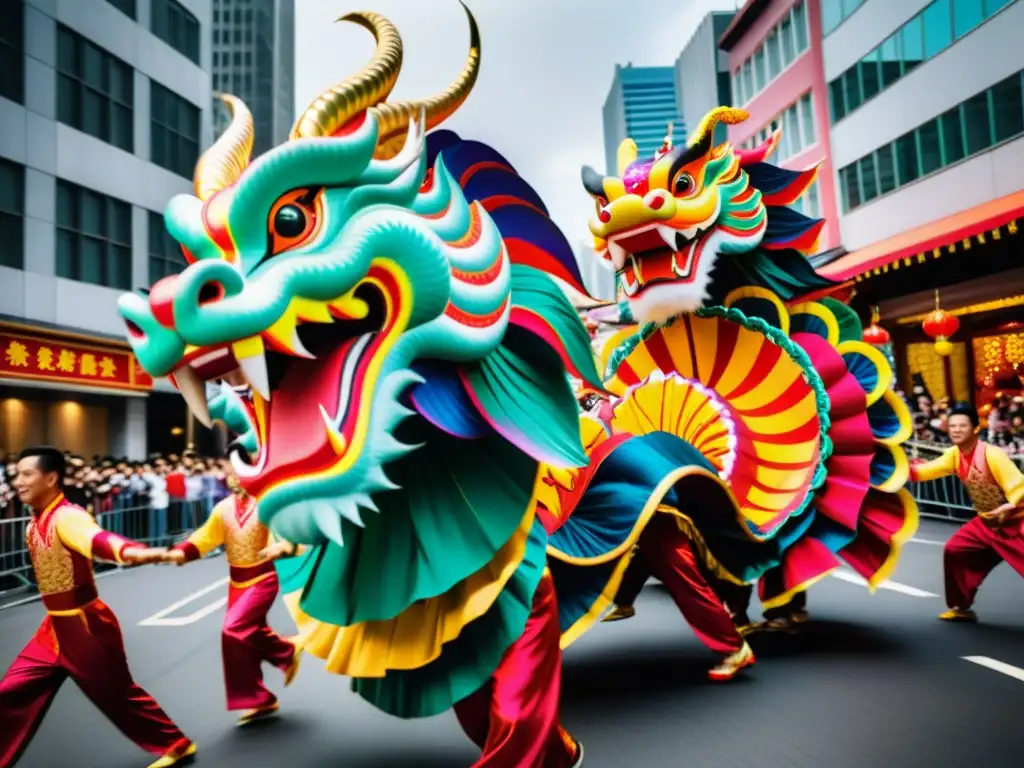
(222, 164)
(627, 154)
(337, 105)
(393, 118)
(727, 115)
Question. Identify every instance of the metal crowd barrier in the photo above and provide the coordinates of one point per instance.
(153, 527)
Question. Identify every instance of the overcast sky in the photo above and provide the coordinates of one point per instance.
(546, 69)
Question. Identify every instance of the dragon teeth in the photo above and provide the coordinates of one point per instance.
(253, 364)
(193, 390)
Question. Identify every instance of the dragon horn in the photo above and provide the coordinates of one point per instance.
(222, 164)
(336, 106)
(705, 129)
(626, 154)
(393, 117)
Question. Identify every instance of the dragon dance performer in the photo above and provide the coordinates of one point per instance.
(246, 639)
(80, 637)
(996, 487)
(389, 297)
(663, 550)
(762, 425)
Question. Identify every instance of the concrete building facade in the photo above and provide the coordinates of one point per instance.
(775, 57)
(104, 109)
(702, 73)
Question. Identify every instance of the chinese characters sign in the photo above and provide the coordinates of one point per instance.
(43, 357)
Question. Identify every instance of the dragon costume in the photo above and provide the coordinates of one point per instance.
(388, 296)
(788, 454)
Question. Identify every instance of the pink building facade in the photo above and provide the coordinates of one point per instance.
(776, 65)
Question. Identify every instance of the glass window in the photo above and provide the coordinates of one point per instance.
(952, 136)
(789, 143)
(889, 61)
(127, 7)
(1008, 112)
(870, 77)
(807, 120)
(93, 237)
(868, 180)
(748, 80)
(165, 257)
(774, 55)
(788, 41)
(886, 168)
(851, 83)
(831, 15)
(760, 76)
(967, 14)
(812, 207)
(978, 124)
(938, 28)
(173, 24)
(94, 91)
(800, 25)
(931, 154)
(908, 166)
(174, 131)
(851, 187)
(12, 47)
(12, 218)
(835, 90)
(737, 87)
(912, 43)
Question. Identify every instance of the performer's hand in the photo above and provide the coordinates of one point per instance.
(175, 556)
(143, 555)
(277, 550)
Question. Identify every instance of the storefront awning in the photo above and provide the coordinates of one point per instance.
(927, 241)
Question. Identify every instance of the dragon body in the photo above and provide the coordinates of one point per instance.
(787, 455)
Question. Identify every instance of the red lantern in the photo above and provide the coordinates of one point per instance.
(874, 333)
(940, 325)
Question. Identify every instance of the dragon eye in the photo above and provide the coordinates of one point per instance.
(683, 184)
(289, 221)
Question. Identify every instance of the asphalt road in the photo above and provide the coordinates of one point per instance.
(873, 681)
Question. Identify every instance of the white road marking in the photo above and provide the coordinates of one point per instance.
(159, 619)
(928, 541)
(893, 586)
(998, 666)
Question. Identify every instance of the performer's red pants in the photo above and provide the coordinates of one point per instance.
(973, 552)
(247, 641)
(88, 648)
(514, 717)
(669, 555)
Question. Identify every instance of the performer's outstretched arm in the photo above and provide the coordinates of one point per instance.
(79, 531)
(943, 466)
(202, 542)
(278, 548)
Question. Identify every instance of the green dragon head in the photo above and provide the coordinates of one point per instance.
(667, 223)
(339, 274)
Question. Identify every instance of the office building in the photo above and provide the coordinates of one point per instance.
(927, 127)
(641, 103)
(702, 73)
(254, 59)
(103, 114)
(775, 57)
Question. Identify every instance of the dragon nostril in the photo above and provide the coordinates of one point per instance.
(133, 330)
(656, 203)
(210, 293)
(604, 216)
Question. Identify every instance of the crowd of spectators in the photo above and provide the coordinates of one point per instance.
(1004, 420)
(105, 484)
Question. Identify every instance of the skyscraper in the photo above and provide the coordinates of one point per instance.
(254, 59)
(640, 105)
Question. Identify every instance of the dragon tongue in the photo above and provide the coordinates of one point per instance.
(295, 430)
